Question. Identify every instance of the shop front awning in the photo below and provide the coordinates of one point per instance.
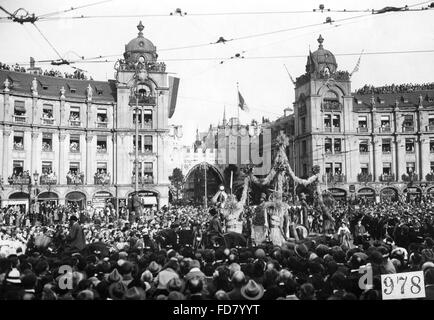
(48, 196)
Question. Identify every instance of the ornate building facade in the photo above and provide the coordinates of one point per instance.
(375, 142)
(74, 140)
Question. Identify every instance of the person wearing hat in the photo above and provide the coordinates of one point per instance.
(252, 291)
(195, 271)
(76, 239)
(238, 280)
(215, 230)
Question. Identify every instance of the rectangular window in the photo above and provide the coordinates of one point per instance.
(385, 123)
(47, 167)
(387, 168)
(101, 144)
(74, 143)
(410, 167)
(364, 146)
(431, 145)
(432, 166)
(74, 116)
(363, 121)
(409, 145)
(18, 167)
(47, 112)
(337, 145)
(364, 168)
(408, 121)
(328, 145)
(336, 121)
(386, 146)
(327, 122)
(18, 140)
(338, 168)
(19, 108)
(328, 168)
(47, 142)
(139, 169)
(101, 115)
(303, 124)
(431, 120)
(147, 118)
(74, 167)
(147, 143)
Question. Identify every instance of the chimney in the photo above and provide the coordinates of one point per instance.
(32, 62)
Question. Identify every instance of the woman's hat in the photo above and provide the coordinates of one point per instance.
(252, 291)
(13, 276)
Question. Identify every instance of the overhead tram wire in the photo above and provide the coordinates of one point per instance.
(43, 16)
(48, 41)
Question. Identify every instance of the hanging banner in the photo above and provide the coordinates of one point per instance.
(173, 94)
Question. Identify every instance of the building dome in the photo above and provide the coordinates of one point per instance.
(140, 46)
(321, 60)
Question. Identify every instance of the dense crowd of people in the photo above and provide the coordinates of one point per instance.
(77, 74)
(399, 88)
(119, 255)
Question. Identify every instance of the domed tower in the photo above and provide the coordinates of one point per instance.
(140, 47)
(146, 95)
(322, 99)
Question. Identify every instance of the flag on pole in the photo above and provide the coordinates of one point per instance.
(241, 102)
(356, 68)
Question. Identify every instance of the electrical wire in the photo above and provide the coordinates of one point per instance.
(42, 16)
(48, 41)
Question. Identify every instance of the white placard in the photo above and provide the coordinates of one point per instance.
(406, 285)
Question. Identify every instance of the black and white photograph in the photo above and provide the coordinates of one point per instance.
(222, 154)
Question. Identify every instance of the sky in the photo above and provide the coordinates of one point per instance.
(207, 86)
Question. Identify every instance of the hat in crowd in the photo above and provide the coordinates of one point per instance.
(154, 268)
(117, 290)
(260, 253)
(147, 276)
(212, 211)
(86, 295)
(301, 251)
(123, 255)
(175, 295)
(134, 293)
(429, 242)
(252, 291)
(376, 257)
(73, 218)
(175, 284)
(13, 276)
(114, 276)
(427, 265)
(221, 295)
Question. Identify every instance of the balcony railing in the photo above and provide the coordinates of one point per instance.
(72, 179)
(20, 119)
(387, 177)
(410, 177)
(336, 129)
(408, 129)
(102, 124)
(430, 128)
(101, 150)
(385, 129)
(74, 123)
(362, 129)
(143, 100)
(328, 129)
(334, 178)
(18, 147)
(331, 105)
(19, 180)
(47, 121)
(363, 177)
(429, 177)
(143, 180)
(47, 180)
(102, 179)
(364, 153)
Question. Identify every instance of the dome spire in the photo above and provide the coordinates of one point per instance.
(320, 41)
(140, 27)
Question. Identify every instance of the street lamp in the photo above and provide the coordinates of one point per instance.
(35, 178)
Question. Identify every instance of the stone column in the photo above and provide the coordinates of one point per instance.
(35, 119)
(6, 153)
(62, 116)
(34, 166)
(399, 158)
(89, 160)
(394, 152)
(63, 164)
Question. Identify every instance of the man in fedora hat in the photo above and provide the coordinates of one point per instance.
(252, 291)
(76, 238)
